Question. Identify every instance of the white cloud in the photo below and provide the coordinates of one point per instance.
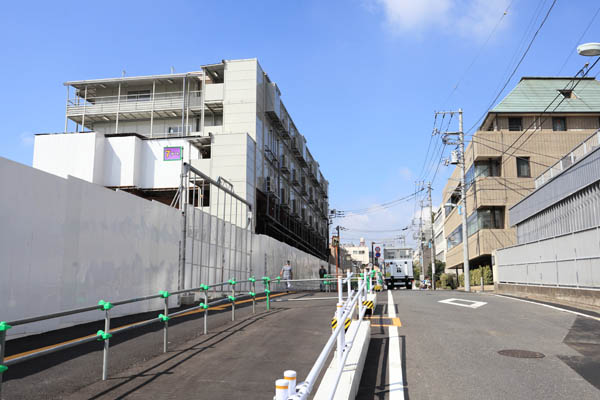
(26, 139)
(467, 18)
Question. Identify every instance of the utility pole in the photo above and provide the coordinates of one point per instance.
(463, 189)
(431, 242)
(337, 264)
(462, 161)
(421, 255)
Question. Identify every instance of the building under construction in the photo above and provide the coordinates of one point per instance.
(226, 120)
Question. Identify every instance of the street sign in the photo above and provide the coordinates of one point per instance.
(377, 255)
(377, 249)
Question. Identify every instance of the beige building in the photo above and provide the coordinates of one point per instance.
(538, 122)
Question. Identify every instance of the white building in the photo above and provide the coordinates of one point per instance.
(226, 120)
(358, 254)
(438, 234)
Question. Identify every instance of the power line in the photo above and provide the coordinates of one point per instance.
(464, 74)
(563, 99)
(579, 40)
(517, 66)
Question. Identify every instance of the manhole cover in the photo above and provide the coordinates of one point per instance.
(521, 354)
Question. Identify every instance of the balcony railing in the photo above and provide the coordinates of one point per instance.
(571, 158)
(142, 102)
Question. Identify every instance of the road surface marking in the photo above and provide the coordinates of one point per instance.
(309, 298)
(549, 306)
(396, 382)
(385, 321)
(460, 302)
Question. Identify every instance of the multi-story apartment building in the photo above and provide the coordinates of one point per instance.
(538, 122)
(226, 119)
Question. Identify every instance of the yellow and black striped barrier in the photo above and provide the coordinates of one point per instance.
(370, 306)
(346, 324)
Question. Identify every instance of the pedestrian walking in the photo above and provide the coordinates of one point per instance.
(322, 273)
(287, 275)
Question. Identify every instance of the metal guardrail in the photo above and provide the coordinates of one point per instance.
(286, 389)
(107, 333)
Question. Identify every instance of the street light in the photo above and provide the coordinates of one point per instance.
(589, 49)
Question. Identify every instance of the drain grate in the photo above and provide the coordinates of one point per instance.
(521, 354)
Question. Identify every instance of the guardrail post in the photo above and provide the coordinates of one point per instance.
(348, 275)
(165, 318)
(3, 328)
(253, 293)
(266, 281)
(340, 288)
(232, 298)
(340, 338)
(204, 305)
(105, 336)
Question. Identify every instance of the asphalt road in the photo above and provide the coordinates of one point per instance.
(240, 359)
(441, 351)
(450, 351)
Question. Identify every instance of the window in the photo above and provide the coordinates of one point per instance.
(483, 168)
(138, 95)
(485, 218)
(205, 150)
(567, 94)
(174, 130)
(490, 218)
(455, 238)
(515, 124)
(523, 169)
(559, 124)
(454, 199)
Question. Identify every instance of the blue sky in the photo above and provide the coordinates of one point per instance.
(361, 78)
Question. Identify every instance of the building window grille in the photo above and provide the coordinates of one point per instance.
(523, 168)
(515, 124)
(559, 124)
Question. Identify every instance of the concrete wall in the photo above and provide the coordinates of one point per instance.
(67, 243)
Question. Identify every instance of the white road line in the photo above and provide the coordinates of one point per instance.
(457, 302)
(396, 382)
(549, 306)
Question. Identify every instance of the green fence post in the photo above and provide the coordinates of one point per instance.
(232, 282)
(3, 328)
(105, 336)
(266, 281)
(253, 293)
(204, 305)
(165, 318)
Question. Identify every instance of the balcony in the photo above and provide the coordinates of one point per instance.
(142, 106)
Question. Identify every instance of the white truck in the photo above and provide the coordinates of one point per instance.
(398, 268)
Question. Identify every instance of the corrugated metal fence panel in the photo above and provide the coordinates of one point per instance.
(580, 175)
(571, 260)
(577, 212)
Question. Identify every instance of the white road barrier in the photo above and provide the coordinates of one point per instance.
(396, 380)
